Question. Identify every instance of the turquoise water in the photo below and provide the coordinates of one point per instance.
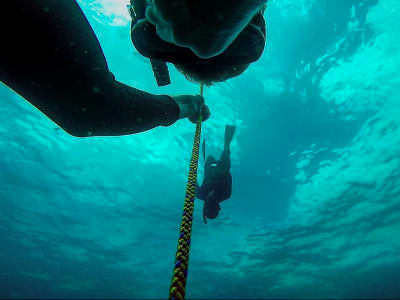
(315, 163)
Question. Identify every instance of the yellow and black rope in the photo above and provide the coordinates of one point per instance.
(178, 283)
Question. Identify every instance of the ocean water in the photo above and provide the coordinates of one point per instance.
(315, 208)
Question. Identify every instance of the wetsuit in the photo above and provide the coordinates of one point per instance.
(217, 178)
(247, 48)
(51, 57)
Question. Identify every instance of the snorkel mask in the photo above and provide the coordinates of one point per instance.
(245, 49)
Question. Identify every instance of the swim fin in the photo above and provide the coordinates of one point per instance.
(229, 133)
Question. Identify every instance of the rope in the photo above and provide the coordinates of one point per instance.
(178, 283)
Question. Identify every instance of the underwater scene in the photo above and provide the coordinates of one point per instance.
(314, 209)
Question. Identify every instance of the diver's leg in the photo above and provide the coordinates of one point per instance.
(224, 163)
(51, 56)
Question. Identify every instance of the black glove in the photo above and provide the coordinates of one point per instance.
(191, 106)
(205, 114)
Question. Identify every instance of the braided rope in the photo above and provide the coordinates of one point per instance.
(178, 283)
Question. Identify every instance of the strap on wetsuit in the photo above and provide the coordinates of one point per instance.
(137, 9)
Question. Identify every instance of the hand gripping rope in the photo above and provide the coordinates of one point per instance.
(178, 282)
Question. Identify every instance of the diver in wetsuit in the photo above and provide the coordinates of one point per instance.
(51, 57)
(208, 41)
(217, 182)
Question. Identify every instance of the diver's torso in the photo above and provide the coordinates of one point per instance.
(218, 179)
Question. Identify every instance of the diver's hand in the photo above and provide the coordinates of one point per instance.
(191, 106)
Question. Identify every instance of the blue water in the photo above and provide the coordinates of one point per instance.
(315, 163)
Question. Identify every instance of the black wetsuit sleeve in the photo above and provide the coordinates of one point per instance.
(200, 192)
(51, 57)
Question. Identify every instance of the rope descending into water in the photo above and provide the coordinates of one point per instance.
(178, 283)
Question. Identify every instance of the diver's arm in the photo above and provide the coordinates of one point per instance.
(114, 109)
(107, 108)
(205, 189)
(207, 27)
(52, 58)
(200, 192)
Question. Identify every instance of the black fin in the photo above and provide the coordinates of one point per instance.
(229, 133)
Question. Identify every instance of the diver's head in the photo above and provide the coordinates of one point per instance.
(211, 209)
(210, 73)
(245, 49)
